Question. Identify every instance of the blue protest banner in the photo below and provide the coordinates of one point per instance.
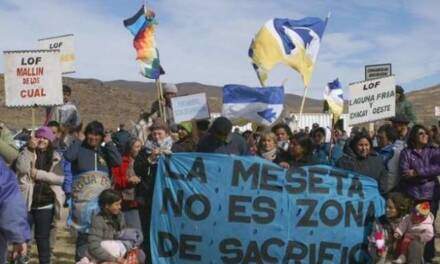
(211, 208)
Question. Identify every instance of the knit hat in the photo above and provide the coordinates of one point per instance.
(399, 89)
(423, 209)
(186, 126)
(45, 132)
(170, 88)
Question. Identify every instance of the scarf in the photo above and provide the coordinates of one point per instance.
(270, 155)
(164, 146)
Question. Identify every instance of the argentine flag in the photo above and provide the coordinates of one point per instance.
(292, 42)
(333, 94)
(261, 105)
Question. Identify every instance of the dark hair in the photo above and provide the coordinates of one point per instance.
(221, 125)
(108, 197)
(94, 127)
(357, 137)
(67, 89)
(402, 203)
(389, 131)
(316, 130)
(246, 134)
(413, 135)
(283, 126)
(203, 125)
(129, 144)
(304, 141)
(44, 159)
(53, 123)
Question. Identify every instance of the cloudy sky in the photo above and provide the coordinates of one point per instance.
(207, 40)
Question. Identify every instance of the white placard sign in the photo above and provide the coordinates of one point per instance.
(33, 77)
(190, 107)
(372, 100)
(437, 111)
(65, 45)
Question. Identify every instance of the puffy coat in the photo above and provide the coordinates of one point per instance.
(14, 227)
(427, 165)
(54, 177)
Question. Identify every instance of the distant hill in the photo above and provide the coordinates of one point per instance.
(120, 101)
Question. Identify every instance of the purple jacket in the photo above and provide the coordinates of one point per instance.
(427, 165)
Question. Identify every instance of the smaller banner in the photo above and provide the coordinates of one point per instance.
(377, 71)
(33, 77)
(65, 45)
(190, 107)
(372, 100)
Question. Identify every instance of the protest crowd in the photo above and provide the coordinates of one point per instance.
(304, 184)
(402, 156)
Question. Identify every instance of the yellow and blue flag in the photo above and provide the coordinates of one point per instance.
(142, 27)
(333, 94)
(292, 42)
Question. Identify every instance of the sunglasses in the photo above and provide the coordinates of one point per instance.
(422, 133)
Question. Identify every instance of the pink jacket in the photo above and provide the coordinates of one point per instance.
(424, 230)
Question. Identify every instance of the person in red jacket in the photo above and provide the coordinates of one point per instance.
(125, 181)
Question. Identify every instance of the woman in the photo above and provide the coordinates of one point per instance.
(186, 142)
(40, 176)
(301, 151)
(359, 157)
(125, 181)
(268, 149)
(145, 167)
(419, 165)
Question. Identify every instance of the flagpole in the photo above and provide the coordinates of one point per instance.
(302, 103)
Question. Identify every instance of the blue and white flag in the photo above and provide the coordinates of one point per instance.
(261, 105)
(333, 94)
(292, 42)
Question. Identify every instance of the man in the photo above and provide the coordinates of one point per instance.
(404, 107)
(389, 149)
(219, 139)
(169, 91)
(283, 133)
(14, 227)
(67, 114)
(91, 164)
(401, 124)
(321, 150)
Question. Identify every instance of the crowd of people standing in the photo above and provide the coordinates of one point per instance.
(402, 156)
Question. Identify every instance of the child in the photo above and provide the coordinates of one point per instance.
(381, 241)
(415, 227)
(109, 240)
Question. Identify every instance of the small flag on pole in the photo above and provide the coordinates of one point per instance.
(333, 95)
(261, 105)
(142, 27)
(292, 42)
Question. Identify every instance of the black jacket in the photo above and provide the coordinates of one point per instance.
(235, 144)
(371, 166)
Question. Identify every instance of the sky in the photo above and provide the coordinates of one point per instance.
(207, 41)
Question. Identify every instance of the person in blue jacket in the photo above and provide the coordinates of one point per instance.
(14, 227)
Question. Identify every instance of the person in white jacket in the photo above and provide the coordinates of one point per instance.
(40, 176)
